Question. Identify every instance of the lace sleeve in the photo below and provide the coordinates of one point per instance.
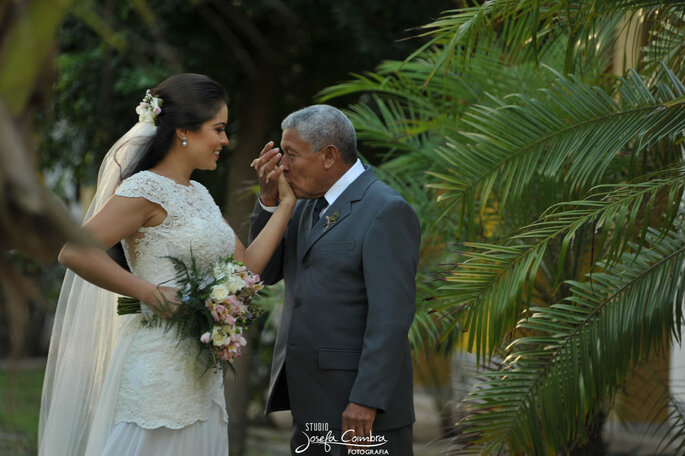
(145, 185)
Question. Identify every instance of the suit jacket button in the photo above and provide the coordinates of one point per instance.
(305, 266)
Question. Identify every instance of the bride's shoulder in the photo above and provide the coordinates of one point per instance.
(147, 185)
(149, 179)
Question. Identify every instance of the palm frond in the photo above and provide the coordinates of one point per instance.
(403, 88)
(390, 127)
(563, 136)
(489, 288)
(665, 40)
(674, 439)
(388, 85)
(413, 122)
(428, 326)
(525, 27)
(581, 350)
(490, 71)
(469, 27)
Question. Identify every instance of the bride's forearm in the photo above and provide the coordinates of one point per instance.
(259, 252)
(95, 266)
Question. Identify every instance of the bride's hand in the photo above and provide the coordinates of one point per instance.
(285, 192)
(163, 301)
(267, 173)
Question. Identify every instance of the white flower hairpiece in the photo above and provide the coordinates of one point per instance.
(149, 108)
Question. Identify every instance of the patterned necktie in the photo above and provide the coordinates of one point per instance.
(318, 207)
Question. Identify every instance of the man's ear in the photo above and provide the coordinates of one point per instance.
(331, 155)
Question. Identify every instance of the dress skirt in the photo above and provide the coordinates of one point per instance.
(206, 438)
(158, 398)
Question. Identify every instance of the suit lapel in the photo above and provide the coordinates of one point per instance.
(337, 212)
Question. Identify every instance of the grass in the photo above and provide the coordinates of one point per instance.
(19, 410)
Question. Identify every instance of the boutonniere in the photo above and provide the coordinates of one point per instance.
(330, 220)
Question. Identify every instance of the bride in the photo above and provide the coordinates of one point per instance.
(112, 385)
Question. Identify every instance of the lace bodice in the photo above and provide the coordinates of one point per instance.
(193, 222)
(162, 381)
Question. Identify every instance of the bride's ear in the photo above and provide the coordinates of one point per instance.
(181, 133)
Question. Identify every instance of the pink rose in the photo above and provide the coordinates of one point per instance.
(219, 312)
(228, 353)
(238, 340)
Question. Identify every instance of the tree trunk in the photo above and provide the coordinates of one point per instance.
(253, 120)
(237, 389)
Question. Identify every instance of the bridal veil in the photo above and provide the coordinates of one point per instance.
(85, 330)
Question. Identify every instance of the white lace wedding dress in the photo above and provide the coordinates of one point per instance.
(157, 398)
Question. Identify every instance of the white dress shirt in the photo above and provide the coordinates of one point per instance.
(336, 189)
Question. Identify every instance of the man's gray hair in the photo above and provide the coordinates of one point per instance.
(321, 125)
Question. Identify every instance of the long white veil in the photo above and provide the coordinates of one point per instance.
(85, 327)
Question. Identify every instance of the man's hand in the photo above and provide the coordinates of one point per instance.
(268, 172)
(358, 420)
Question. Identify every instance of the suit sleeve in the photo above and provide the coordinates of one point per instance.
(273, 272)
(390, 260)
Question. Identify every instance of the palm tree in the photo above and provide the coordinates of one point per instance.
(563, 183)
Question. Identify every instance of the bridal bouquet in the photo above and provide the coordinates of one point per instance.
(216, 306)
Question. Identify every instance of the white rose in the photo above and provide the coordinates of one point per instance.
(219, 293)
(235, 284)
(219, 336)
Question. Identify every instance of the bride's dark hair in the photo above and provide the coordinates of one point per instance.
(188, 101)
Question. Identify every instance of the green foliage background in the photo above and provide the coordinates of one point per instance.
(111, 52)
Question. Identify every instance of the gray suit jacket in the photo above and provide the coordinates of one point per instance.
(349, 302)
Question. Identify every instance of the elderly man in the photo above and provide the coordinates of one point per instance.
(341, 361)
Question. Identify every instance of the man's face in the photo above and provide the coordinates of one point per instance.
(302, 167)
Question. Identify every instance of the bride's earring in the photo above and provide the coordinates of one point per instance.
(184, 141)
